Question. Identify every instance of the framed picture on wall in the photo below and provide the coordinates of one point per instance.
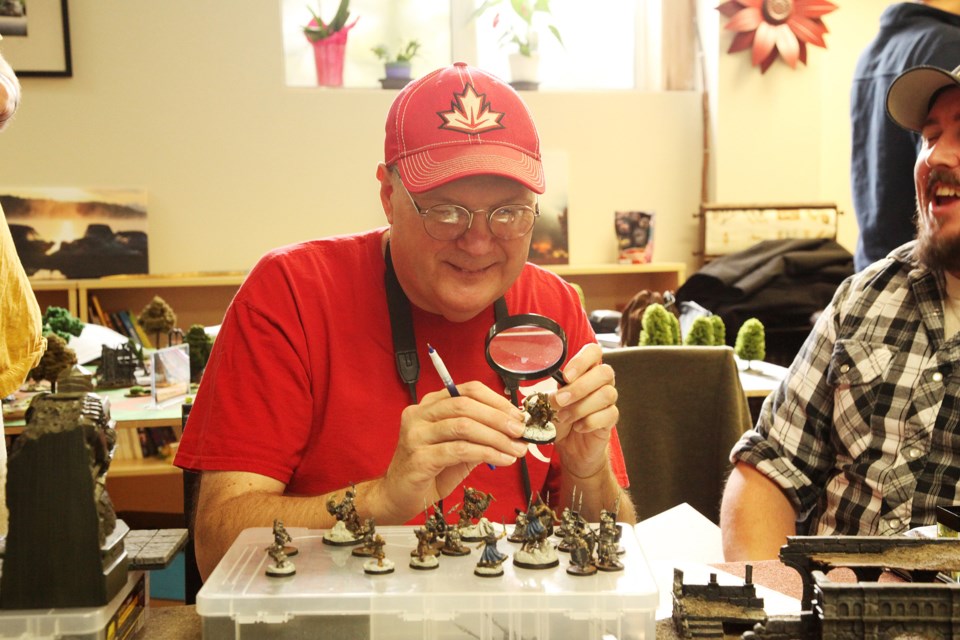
(36, 37)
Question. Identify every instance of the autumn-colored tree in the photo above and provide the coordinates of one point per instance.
(701, 333)
(751, 341)
(157, 318)
(719, 331)
(200, 345)
(57, 357)
(61, 322)
(659, 326)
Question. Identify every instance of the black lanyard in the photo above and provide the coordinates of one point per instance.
(405, 346)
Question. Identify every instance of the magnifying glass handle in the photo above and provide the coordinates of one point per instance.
(558, 376)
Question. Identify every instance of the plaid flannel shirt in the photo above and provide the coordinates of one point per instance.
(862, 435)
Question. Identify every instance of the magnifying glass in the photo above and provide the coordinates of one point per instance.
(529, 346)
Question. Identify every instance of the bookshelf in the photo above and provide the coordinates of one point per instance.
(56, 293)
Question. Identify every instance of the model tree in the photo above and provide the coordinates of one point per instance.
(659, 326)
(56, 359)
(157, 318)
(200, 345)
(751, 342)
(701, 333)
(719, 331)
(60, 321)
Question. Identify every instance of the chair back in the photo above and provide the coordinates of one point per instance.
(681, 411)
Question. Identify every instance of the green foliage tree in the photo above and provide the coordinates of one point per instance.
(56, 358)
(701, 333)
(659, 326)
(60, 321)
(158, 318)
(719, 331)
(751, 341)
(200, 345)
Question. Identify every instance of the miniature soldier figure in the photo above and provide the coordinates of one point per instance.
(453, 543)
(347, 530)
(424, 557)
(581, 553)
(491, 560)
(281, 537)
(281, 565)
(538, 416)
(378, 564)
(368, 536)
(519, 528)
(572, 526)
(537, 552)
(608, 549)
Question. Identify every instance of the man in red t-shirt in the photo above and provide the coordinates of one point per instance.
(302, 397)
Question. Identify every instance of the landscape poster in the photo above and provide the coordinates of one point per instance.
(550, 241)
(78, 233)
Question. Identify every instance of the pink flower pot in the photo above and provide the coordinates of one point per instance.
(328, 55)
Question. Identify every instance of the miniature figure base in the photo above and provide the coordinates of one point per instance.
(516, 536)
(362, 552)
(614, 566)
(577, 570)
(488, 572)
(280, 571)
(540, 435)
(290, 551)
(536, 558)
(428, 563)
(471, 533)
(340, 536)
(462, 551)
(373, 568)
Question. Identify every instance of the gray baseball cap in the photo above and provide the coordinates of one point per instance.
(909, 97)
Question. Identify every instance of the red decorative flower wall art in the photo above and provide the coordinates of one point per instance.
(776, 27)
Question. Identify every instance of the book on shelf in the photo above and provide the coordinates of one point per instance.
(98, 311)
(141, 332)
(128, 328)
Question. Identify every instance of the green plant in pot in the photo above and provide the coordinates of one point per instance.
(397, 65)
(520, 33)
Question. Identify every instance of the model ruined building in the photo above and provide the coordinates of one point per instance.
(117, 367)
(72, 555)
(713, 610)
(922, 608)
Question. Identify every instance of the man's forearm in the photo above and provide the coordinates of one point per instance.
(755, 516)
(221, 516)
(599, 491)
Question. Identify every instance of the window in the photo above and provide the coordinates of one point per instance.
(607, 44)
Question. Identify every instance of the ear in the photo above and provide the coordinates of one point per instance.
(386, 190)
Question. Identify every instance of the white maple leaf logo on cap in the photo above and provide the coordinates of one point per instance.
(471, 113)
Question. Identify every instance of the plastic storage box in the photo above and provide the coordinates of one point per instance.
(122, 617)
(330, 595)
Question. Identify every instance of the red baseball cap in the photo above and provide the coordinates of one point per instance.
(459, 121)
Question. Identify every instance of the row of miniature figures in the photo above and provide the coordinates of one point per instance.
(590, 549)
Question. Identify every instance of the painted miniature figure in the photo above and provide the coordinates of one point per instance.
(453, 543)
(378, 564)
(519, 528)
(281, 566)
(581, 553)
(537, 551)
(608, 547)
(572, 526)
(347, 530)
(281, 537)
(474, 504)
(424, 557)
(538, 416)
(368, 535)
(491, 560)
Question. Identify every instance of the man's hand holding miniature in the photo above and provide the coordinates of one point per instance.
(443, 438)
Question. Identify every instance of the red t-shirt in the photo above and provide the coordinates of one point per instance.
(302, 386)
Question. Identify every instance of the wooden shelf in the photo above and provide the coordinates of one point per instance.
(56, 293)
(611, 286)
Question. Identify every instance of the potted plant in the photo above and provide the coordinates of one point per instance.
(397, 67)
(329, 40)
(520, 32)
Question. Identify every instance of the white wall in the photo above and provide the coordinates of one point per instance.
(186, 99)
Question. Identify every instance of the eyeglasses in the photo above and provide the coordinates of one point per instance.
(450, 221)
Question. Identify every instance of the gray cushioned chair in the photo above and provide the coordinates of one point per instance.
(681, 411)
